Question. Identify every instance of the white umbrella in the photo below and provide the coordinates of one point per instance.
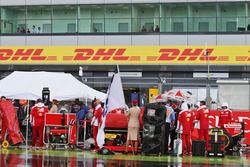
(175, 94)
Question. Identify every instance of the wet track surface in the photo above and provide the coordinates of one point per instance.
(58, 158)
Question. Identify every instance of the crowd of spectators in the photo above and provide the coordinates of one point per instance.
(33, 30)
(151, 29)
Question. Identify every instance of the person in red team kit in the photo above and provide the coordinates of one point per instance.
(97, 120)
(202, 115)
(226, 115)
(185, 127)
(37, 117)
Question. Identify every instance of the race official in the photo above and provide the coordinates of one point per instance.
(37, 117)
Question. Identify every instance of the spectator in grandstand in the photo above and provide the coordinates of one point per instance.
(169, 123)
(23, 30)
(97, 120)
(39, 30)
(33, 30)
(54, 107)
(133, 115)
(202, 115)
(185, 128)
(95, 29)
(226, 115)
(248, 27)
(157, 28)
(18, 30)
(37, 117)
(143, 29)
(151, 29)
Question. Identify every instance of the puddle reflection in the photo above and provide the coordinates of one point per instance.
(64, 159)
(41, 160)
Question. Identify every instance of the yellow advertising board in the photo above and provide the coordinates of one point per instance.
(152, 92)
(125, 55)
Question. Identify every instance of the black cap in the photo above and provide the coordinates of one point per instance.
(39, 101)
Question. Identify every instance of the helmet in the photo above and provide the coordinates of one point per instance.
(224, 105)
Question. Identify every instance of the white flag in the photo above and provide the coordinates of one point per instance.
(115, 99)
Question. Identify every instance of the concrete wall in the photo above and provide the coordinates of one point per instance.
(102, 40)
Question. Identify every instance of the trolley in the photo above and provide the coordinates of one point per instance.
(60, 130)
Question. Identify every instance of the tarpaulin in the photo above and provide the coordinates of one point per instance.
(10, 121)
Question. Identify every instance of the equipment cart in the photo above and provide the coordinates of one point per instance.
(60, 130)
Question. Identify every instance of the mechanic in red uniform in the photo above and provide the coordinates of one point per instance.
(185, 127)
(97, 120)
(37, 117)
(202, 115)
(226, 115)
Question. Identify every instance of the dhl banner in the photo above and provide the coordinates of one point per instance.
(141, 55)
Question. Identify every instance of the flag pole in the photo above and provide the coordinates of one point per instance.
(118, 70)
(27, 124)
